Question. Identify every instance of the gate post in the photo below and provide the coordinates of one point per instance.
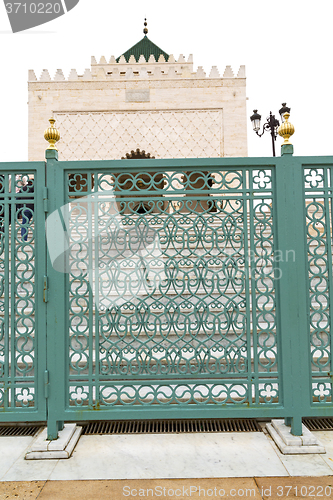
(56, 318)
(292, 287)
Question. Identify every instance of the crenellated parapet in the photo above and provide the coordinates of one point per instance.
(131, 70)
(151, 68)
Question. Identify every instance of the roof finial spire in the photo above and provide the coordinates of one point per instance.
(145, 30)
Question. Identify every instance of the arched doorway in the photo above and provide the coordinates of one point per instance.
(137, 155)
(140, 185)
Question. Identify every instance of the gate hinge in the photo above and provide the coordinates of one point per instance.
(46, 289)
(46, 384)
(45, 199)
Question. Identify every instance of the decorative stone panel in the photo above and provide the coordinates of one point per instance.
(137, 95)
(163, 134)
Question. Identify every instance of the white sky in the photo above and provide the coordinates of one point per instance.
(286, 47)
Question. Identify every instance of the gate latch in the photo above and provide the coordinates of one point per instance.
(46, 289)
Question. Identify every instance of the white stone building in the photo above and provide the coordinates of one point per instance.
(143, 100)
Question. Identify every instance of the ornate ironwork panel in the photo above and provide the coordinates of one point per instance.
(171, 288)
(318, 204)
(168, 287)
(20, 327)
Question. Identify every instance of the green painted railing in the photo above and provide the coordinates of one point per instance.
(166, 289)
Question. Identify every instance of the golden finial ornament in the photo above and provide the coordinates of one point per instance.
(286, 129)
(52, 134)
(145, 29)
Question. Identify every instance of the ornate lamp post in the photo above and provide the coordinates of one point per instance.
(272, 123)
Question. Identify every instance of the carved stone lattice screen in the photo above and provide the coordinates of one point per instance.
(163, 134)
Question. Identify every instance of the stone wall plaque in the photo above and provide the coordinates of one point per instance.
(138, 95)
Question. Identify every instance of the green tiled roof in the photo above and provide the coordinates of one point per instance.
(146, 48)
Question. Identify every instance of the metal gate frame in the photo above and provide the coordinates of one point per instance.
(291, 301)
(292, 297)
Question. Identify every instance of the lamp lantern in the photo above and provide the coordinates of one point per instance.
(284, 110)
(255, 119)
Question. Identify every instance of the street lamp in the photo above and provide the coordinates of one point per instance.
(271, 124)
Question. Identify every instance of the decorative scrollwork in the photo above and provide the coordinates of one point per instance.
(18, 329)
(319, 250)
(163, 293)
(179, 394)
(263, 277)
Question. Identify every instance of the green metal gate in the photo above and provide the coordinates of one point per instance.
(22, 311)
(173, 289)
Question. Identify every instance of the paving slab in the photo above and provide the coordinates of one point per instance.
(153, 456)
(305, 488)
(152, 488)
(326, 437)
(165, 456)
(20, 490)
(11, 448)
(26, 470)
